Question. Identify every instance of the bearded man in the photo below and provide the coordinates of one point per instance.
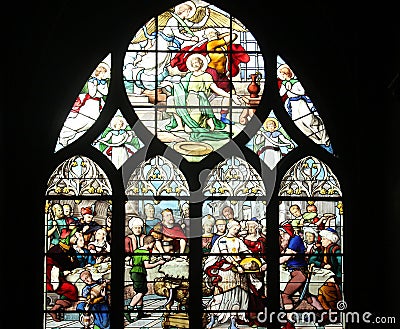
(170, 237)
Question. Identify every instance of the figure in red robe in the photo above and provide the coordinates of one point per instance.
(170, 237)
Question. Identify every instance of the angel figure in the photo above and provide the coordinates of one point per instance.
(118, 141)
(152, 47)
(270, 141)
(300, 107)
(87, 106)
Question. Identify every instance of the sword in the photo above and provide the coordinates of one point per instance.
(305, 288)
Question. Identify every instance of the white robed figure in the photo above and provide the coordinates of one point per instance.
(268, 142)
(301, 109)
(118, 141)
(87, 106)
(231, 290)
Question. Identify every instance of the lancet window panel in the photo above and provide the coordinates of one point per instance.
(157, 245)
(311, 228)
(234, 262)
(87, 106)
(300, 107)
(77, 261)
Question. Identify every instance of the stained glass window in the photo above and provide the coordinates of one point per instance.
(234, 245)
(156, 177)
(200, 170)
(78, 176)
(88, 104)
(311, 226)
(272, 142)
(234, 177)
(77, 269)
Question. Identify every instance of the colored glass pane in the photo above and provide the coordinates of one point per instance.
(234, 177)
(271, 142)
(78, 176)
(300, 107)
(87, 105)
(118, 142)
(194, 74)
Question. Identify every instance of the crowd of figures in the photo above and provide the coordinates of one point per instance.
(78, 263)
(232, 282)
(311, 263)
(153, 242)
(234, 266)
(234, 262)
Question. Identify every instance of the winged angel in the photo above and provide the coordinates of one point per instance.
(177, 27)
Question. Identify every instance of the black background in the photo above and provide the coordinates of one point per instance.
(349, 58)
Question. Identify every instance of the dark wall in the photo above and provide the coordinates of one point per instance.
(349, 59)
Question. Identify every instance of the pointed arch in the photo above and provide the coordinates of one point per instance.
(310, 177)
(157, 177)
(78, 176)
(234, 191)
(234, 177)
(311, 224)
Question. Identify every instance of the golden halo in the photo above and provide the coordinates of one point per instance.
(191, 4)
(202, 57)
(273, 120)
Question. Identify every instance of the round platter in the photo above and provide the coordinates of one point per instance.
(193, 148)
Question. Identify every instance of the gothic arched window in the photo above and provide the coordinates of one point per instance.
(198, 197)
